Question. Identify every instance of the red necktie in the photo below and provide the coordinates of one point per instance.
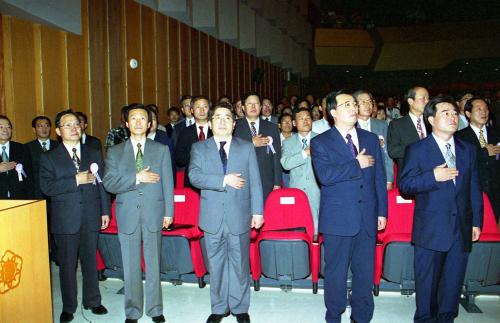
(201, 136)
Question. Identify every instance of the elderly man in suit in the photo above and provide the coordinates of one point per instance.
(296, 157)
(225, 169)
(441, 171)
(410, 128)
(485, 139)
(16, 180)
(265, 137)
(378, 127)
(41, 127)
(139, 172)
(349, 166)
(79, 208)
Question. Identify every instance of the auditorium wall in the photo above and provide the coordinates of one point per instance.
(44, 70)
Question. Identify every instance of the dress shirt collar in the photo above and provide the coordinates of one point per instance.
(353, 133)
(226, 145)
(256, 125)
(84, 138)
(152, 135)
(134, 145)
(205, 129)
(308, 137)
(189, 121)
(442, 144)
(365, 125)
(414, 119)
(476, 131)
(69, 148)
(46, 141)
(7, 147)
(268, 118)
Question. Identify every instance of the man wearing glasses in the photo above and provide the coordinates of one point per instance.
(79, 208)
(349, 166)
(410, 128)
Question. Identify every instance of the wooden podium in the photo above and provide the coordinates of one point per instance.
(25, 291)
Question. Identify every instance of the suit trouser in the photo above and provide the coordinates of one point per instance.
(131, 255)
(229, 266)
(438, 282)
(359, 252)
(69, 247)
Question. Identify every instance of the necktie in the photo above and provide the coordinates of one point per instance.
(252, 128)
(201, 136)
(44, 146)
(76, 160)
(223, 156)
(419, 129)
(450, 158)
(482, 141)
(304, 143)
(5, 158)
(190, 122)
(351, 145)
(139, 158)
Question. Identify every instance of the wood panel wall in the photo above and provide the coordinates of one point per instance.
(45, 70)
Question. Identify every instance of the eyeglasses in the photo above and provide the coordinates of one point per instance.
(364, 102)
(70, 125)
(349, 104)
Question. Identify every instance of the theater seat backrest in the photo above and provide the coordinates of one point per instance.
(186, 206)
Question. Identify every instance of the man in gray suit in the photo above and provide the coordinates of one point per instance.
(378, 127)
(296, 157)
(225, 169)
(139, 172)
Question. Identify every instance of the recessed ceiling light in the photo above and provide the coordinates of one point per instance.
(466, 63)
(459, 71)
(361, 76)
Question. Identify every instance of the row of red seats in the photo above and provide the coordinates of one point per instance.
(288, 218)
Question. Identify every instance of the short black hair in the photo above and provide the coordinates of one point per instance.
(153, 108)
(360, 92)
(185, 97)
(468, 104)
(248, 94)
(138, 106)
(35, 120)
(83, 115)
(331, 103)
(222, 105)
(431, 107)
(280, 118)
(198, 98)
(174, 109)
(302, 110)
(62, 114)
(6, 118)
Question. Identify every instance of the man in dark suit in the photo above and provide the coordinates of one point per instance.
(265, 137)
(441, 172)
(16, 178)
(160, 136)
(188, 120)
(225, 169)
(408, 129)
(267, 111)
(485, 139)
(198, 131)
(79, 208)
(138, 171)
(88, 140)
(349, 165)
(173, 118)
(41, 127)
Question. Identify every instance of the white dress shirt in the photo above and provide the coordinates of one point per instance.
(320, 126)
(205, 130)
(7, 147)
(47, 143)
(442, 145)
(256, 125)
(134, 145)
(189, 121)
(414, 120)
(365, 125)
(308, 143)
(354, 136)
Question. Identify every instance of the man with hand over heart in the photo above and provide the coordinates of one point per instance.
(79, 208)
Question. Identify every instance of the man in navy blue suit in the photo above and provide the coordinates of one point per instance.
(441, 172)
(349, 165)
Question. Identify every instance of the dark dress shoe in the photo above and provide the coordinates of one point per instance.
(66, 317)
(216, 318)
(131, 321)
(98, 310)
(243, 318)
(159, 318)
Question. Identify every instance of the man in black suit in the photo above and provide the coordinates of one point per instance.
(189, 119)
(41, 127)
(16, 180)
(485, 139)
(79, 208)
(88, 140)
(196, 132)
(173, 116)
(161, 136)
(408, 129)
(265, 137)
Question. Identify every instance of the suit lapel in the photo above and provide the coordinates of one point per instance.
(148, 153)
(128, 155)
(65, 158)
(460, 161)
(339, 143)
(412, 131)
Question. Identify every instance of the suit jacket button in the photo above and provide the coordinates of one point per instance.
(140, 193)
(138, 206)
(360, 186)
(359, 201)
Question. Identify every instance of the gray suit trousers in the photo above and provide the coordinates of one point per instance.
(131, 254)
(229, 266)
